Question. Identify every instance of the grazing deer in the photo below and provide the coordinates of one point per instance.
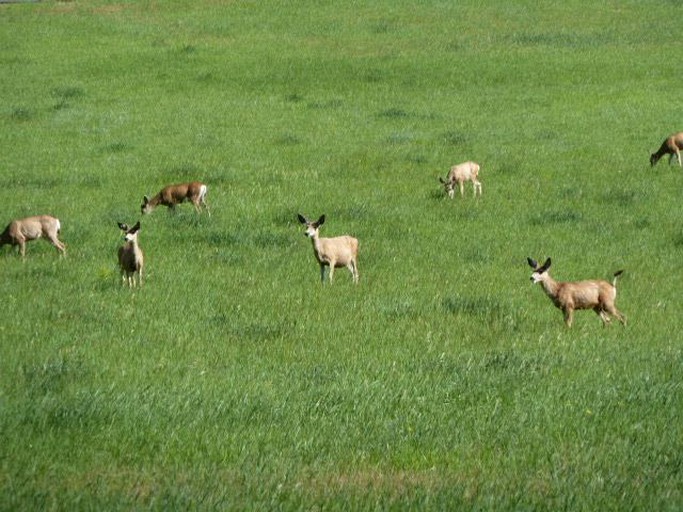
(173, 195)
(341, 251)
(20, 231)
(458, 175)
(671, 146)
(597, 295)
(130, 255)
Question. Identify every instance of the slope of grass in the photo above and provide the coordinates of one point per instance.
(233, 379)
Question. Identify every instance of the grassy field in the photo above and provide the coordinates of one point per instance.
(233, 379)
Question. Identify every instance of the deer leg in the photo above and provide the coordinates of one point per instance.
(57, 244)
(477, 187)
(603, 315)
(678, 155)
(322, 273)
(568, 316)
(22, 248)
(462, 188)
(354, 271)
(331, 270)
(618, 314)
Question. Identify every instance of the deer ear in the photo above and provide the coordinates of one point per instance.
(122, 226)
(145, 200)
(321, 220)
(545, 266)
(136, 227)
(532, 263)
(442, 181)
(302, 219)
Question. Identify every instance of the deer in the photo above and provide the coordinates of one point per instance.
(459, 174)
(173, 195)
(20, 231)
(598, 295)
(671, 146)
(340, 251)
(131, 259)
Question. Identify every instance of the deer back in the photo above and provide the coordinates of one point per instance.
(463, 172)
(586, 294)
(176, 194)
(341, 249)
(32, 228)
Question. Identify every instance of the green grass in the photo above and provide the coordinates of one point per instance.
(444, 380)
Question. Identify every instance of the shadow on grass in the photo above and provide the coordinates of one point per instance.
(485, 310)
(52, 375)
(556, 217)
(250, 330)
(21, 114)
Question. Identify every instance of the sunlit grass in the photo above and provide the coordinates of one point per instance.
(232, 379)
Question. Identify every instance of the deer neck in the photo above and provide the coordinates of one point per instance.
(317, 246)
(132, 245)
(550, 286)
(136, 247)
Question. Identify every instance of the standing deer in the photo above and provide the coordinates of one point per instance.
(597, 295)
(458, 175)
(671, 146)
(131, 259)
(20, 231)
(340, 251)
(173, 195)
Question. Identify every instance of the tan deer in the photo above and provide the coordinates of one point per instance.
(671, 146)
(20, 231)
(173, 195)
(458, 175)
(597, 295)
(340, 251)
(131, 259)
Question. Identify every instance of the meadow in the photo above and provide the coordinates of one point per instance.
(444, 380)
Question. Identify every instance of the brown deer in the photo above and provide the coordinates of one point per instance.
(20, 231)
(131, 259)
(597, 295)
(671, 146)
(458, 175)
(173, 195)
(340, 251)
